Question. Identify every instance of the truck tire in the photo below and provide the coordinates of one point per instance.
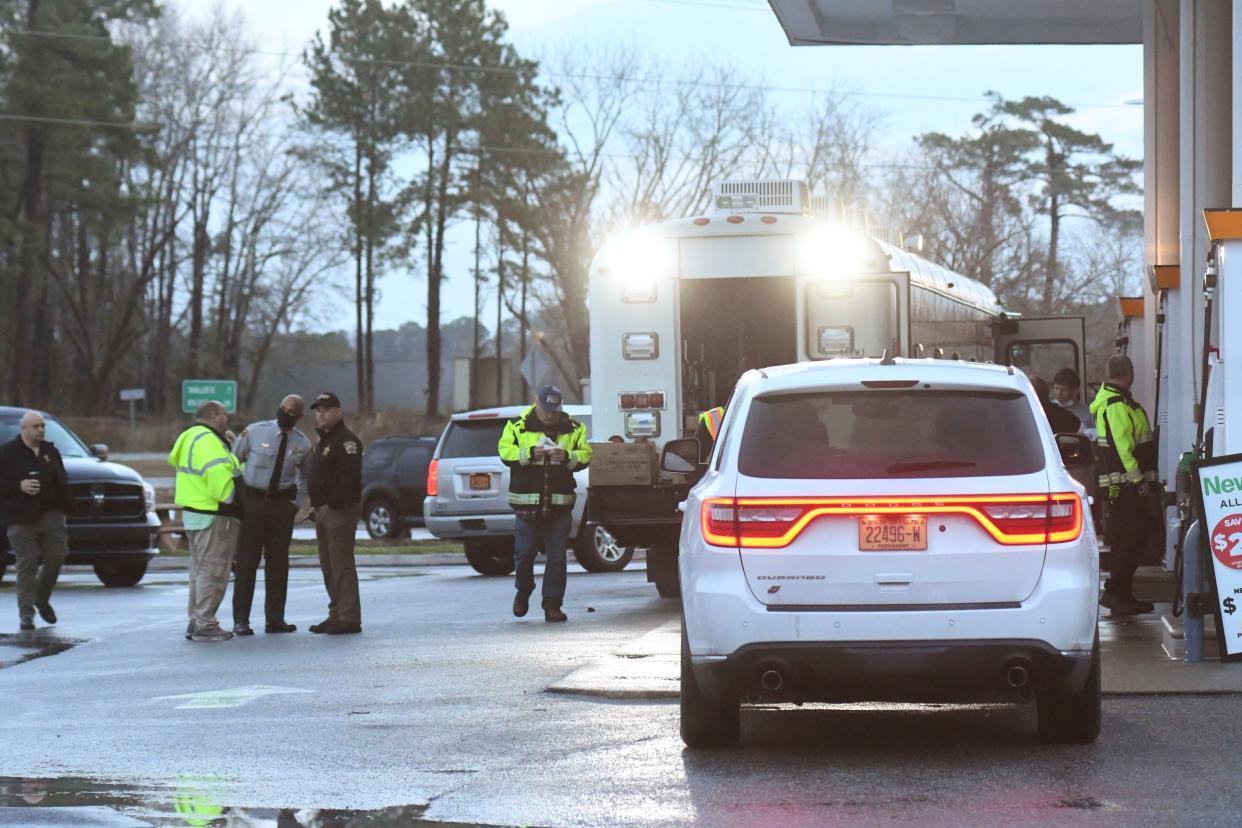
(598, 551)
(3, 566)
(120, 573)
(1073, 719)
(382, 520)
(669, 589)
(490, 557)
(706, 722)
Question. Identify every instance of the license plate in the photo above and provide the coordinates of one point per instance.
(887, 533)
(480, 482)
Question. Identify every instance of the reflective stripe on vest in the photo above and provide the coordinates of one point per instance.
(712, 418)
(202, 470)
(532, 499)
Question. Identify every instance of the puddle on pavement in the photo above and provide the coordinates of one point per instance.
(89, 801)
(18, 648)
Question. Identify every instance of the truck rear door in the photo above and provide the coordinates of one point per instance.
(1043, 346)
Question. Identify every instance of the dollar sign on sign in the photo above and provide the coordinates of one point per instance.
(1230, 606)
(1219, 542)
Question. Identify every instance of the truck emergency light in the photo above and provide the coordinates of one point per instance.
(638, 289)
(640, 400)
(640, 345)
(837, 250)
(642, 424)
(775, 522)
(638, 259)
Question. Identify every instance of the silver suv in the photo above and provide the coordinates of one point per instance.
(468, 496)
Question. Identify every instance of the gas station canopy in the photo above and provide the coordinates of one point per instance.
(881, 22)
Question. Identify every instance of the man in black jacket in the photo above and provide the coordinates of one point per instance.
(34, 497)
(335, 488)
(1062, 420)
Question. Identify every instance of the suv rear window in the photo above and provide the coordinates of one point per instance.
(379, 455)
(890, 434)
(480, 438)
(473, 438)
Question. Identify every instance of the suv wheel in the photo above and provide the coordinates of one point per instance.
(120, 573)
(1073, 719)
(3, 566)
(382, 520)
(705, 721)
(598, 551)
(490, 557)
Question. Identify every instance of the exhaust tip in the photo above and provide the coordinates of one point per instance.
(771, 680)
(1017, 676)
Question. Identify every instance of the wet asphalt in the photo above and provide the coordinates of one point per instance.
(438, 713)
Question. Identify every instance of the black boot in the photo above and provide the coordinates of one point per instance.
(521, 603)
(552, 612)
(1118, 603)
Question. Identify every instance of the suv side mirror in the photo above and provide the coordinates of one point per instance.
(99, 450)
(680, 456)
(1076, 449)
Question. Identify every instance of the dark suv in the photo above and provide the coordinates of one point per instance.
(394, 483)
(112, 524)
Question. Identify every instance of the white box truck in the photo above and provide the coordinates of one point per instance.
(679, 310)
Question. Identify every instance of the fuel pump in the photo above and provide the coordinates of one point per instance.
(1220, 392)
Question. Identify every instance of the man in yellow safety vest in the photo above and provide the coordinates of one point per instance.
(543, 447)
(205, 491)
(1126, 467)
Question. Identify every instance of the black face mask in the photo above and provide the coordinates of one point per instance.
(285, 420)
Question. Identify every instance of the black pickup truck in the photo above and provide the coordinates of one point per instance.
(113, 525)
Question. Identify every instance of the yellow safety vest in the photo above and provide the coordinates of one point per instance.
(536, 485)
(1126, 448)
(205, 469)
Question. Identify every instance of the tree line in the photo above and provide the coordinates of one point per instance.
(180, 199)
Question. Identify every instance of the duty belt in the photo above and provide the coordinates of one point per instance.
(285, 494)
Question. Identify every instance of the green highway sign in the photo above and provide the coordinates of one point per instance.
(198, 391)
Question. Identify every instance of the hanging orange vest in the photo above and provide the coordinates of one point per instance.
(712, 418)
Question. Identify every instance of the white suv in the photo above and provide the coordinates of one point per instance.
(468, 496)
(897, 530)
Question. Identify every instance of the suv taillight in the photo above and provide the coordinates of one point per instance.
(433, 478)
(774, 522)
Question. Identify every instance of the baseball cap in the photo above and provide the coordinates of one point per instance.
(326, 400)
(550, 398)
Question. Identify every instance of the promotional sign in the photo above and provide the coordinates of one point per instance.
(196, 392)
(1218, 483)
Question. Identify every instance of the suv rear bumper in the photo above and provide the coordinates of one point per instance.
(480, 524)
(923, 671)
(468, 526)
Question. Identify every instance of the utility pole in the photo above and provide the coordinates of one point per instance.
(477, 222)
(523, 330)
(500, 304)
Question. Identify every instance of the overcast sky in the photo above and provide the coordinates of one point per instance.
(917, 88)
